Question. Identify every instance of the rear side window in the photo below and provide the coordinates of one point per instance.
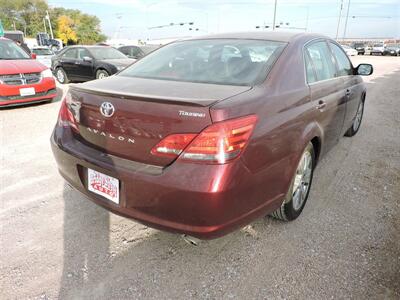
(342, 60)
(309, 69)
(322, 60)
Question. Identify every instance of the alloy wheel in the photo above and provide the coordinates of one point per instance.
(302, 180)
(359, 115)
(60, 76)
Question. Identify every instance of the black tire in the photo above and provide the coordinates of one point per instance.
(289, 210)
(61, 76)
(355, 126)
(100, 74)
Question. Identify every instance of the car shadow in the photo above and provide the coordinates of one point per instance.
(104, 252)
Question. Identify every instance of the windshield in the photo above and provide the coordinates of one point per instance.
(106, 53)
(218, 61)
(42, 52)
(10, 50)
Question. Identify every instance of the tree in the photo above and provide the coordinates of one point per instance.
(65, 30)
(27, 16)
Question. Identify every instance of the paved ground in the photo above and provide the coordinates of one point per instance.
(346, 244)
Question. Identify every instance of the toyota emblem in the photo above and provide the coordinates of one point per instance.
(107, 109)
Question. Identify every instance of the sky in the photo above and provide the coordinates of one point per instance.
(131, 19)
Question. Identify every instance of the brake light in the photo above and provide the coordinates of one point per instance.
(218, 143)
(65, 116)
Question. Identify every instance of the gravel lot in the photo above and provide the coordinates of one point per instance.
(346, 244)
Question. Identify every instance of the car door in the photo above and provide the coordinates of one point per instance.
(67, 61)
(326, 91)
(351, 84)
(84, 64)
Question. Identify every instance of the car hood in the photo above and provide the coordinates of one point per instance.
(165, 91)
(20, 66)
(119, 62)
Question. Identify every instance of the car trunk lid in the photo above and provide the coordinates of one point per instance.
(145, 112)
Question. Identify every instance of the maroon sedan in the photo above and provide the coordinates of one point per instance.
(205, 135)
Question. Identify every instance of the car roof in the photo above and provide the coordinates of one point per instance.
(278, 36)
(89, 46)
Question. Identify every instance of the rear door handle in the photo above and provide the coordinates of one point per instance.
(348, 92)
(321, 105)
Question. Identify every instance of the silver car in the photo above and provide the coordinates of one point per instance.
(43, 55)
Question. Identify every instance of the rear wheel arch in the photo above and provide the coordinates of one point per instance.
(316, 141)
(313, 133)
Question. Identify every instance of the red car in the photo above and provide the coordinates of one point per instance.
(203, 136)
(23, 79)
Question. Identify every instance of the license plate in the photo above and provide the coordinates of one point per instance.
(103, 185)
(27, 92)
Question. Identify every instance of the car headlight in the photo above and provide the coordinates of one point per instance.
(119, 68)
(46, 74)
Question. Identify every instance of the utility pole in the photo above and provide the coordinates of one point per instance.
(338, 22)
(273, 23)
(44, 24)
(48, 19)
(347, 18)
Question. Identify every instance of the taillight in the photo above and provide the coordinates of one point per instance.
(218, 143)
(173, 145)
(65, 116)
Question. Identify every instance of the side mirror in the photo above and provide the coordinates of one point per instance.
(33, 55)
(87, 58)
(364, 69)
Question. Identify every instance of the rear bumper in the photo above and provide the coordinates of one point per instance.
(44, 90)
(205, 201)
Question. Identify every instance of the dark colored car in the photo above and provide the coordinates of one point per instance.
(360, 47)
(137, 52)
(83, 63)
(205, 135)
(393, 50)
(23, 79)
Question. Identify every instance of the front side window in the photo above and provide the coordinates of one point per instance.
(71, 53)
(343, 62)
(218, 61)
(322, 60)
(82, 52)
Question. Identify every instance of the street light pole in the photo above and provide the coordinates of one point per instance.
(273, 23)
(48, 19)
(338, 22)
(347, 18)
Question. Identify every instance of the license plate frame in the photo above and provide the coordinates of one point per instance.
(24, 92)
(103, 185)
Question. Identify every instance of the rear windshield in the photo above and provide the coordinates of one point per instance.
(218, 61)
(43, 51)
